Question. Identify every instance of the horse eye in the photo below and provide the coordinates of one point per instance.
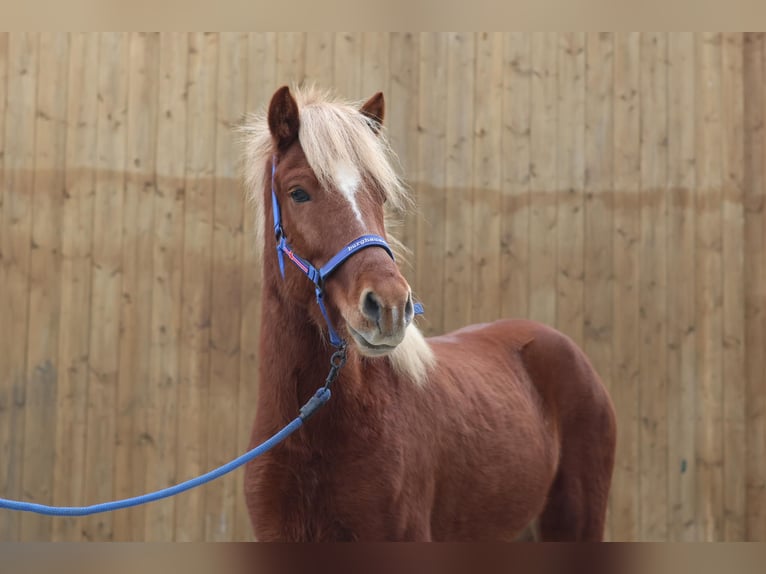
(300, 196)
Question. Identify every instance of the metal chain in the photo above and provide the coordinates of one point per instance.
(337, 361)
(322, 395)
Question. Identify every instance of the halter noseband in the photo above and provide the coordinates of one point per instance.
(318, 276)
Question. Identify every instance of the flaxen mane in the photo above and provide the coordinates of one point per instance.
(333, 132)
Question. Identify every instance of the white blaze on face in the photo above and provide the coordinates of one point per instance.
(348, 180)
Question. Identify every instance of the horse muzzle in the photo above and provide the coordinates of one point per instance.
(386, 316)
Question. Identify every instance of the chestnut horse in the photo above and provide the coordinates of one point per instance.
(473, 435)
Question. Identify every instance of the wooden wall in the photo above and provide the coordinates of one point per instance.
(612, 185)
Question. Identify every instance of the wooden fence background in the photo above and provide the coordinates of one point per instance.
(609, 184)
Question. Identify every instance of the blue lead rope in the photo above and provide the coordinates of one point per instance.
(319, 398)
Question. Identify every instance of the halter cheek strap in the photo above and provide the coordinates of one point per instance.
(318, 276)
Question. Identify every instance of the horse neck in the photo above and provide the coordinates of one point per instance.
(295, 358)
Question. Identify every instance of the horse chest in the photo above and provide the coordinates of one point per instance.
(344, 494)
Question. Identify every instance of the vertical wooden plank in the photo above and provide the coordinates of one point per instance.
(570, 183)
(76, 231)
(599, 206)
(486, 297)
(3, 102)
(5, 405)
(319, 63)
(734, 382)
(375, 74)
(709, 294)
(542, 217)
(5, 526)
(402, 125)
(459, 179)
(431, 192)
(347, 65)
(106, 279)
(375, 71)
(163, 391)
(516, 167)
(653, 450)
(261, 50)
(291, 58)
(625, 493)
(15, 240)
(133, 438)
(681, 318)
(195, 289)
(221, 496)
(755, 280)
(44, 281)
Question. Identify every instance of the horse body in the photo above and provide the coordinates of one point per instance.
(492, 427)
(473, 454)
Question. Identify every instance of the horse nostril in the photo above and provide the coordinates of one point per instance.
(409, 311)
(371, 307)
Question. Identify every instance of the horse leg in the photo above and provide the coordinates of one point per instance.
(577, 501)
(575, 509)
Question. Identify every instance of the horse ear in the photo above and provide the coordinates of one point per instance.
(283, 118)
(375, 109)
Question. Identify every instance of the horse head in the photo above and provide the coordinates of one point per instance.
(331, 178)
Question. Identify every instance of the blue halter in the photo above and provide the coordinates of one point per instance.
(318, 276)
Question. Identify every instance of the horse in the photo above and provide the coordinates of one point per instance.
(475, 435)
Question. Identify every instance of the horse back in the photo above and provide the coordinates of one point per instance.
(532, 356)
